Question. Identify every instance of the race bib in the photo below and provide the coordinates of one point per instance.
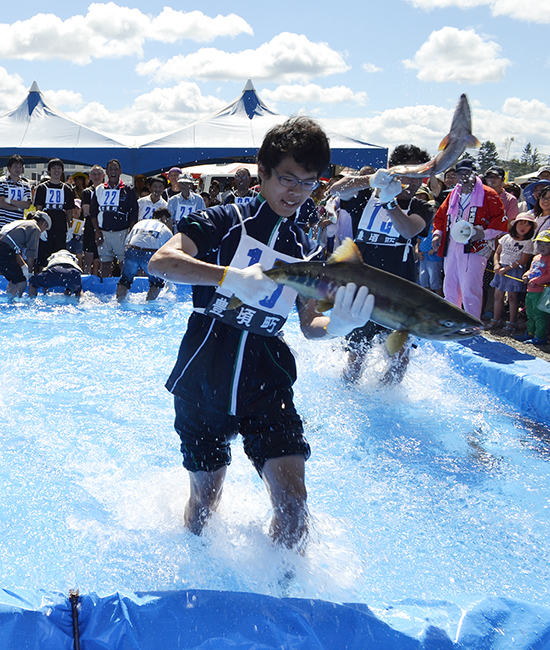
(55, 198)
(376, 226)
(267, 316)
(243, 200)
(147, 212)
(109, 200)
(183, 211)
(15, 193)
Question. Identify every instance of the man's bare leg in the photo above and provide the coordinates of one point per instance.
(284, 478)
(153, 293)
(204, 498)
(16, 289)
(354, 366)
(121, 292)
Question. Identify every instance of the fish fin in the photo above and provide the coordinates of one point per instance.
(234, 303)
(346, 252)
(472, 142)
(395, 341)
(279, 263)
(324, 305)
(444, 143)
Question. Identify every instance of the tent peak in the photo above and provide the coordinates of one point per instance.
(34, 88)
(249, 86)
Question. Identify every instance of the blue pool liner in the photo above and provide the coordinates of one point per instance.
(208, 620)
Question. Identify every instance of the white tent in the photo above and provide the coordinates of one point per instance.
(38, 132)
(236, 133)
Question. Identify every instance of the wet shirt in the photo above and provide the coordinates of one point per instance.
(219, 366)
(150, 234)
(22, 235)
(395, 254)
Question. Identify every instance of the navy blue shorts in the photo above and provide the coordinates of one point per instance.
(9, 266)
(206, 435)
(58, 276)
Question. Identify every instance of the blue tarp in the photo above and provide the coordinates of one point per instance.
(208, 620)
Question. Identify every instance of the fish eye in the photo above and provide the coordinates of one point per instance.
(447, 323)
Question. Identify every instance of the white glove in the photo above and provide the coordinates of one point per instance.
(389, 185)
(350, 310)
(250, 285)
(26, 272)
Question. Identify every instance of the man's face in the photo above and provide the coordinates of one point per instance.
(97, 176)
(412, 186)
(113, 173)
(495, 181)
(285, 200)
(185, 188)
(450, 179)
(467, 179)
(55, 172)
(545, 175)
(157, 188)
(242, 179)
(16, 170)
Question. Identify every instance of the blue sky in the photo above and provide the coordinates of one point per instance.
(384, 72)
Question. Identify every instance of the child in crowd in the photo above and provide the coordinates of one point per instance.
(537, 277)
(430, 265)
(512, 257)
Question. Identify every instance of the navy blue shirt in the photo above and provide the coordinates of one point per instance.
(221, 367)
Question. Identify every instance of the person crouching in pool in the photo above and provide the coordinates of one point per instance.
(62, 270)
(16, 238)
(234, 373)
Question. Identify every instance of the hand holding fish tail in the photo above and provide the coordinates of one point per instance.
(389, 185)
(352, 309)
(249, 285)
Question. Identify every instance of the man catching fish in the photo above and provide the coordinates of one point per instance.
(234, 374)
(385, 229)
(387, 222)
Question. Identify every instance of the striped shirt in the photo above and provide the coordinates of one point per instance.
(19, 191)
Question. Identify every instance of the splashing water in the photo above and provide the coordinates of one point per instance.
(433, 490)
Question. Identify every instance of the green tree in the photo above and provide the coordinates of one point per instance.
(487, 156)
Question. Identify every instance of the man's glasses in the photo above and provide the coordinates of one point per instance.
(291, 181)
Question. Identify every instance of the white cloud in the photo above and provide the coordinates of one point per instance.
(313, 94)
(12, 91)
(370, 68)
(163, 109)
(460, 56)
(536, 11)
(524, 120)
(286, 58)
(109, 30)
(170, 26)
(64, 98)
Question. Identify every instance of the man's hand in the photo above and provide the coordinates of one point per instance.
(389, 185)
(352, 309)
(249, 285)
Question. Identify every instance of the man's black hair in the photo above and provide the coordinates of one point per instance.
(299, 137)
(15, 158)
(405, 154)
(159, 213)
(113, 160)
(157, 179)
(56, 161)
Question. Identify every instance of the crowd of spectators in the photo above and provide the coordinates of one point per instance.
(468, 237)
